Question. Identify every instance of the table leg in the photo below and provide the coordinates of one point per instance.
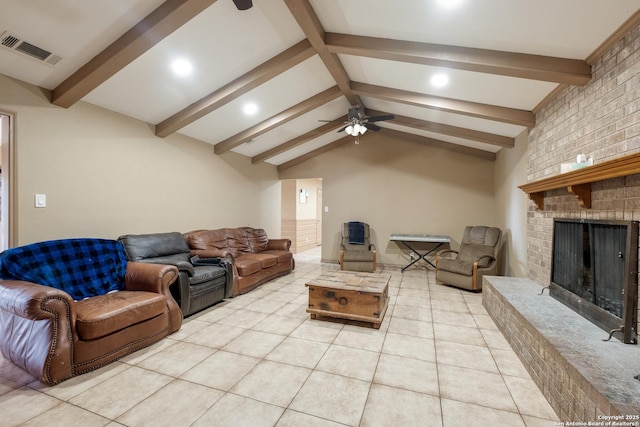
(420, 256)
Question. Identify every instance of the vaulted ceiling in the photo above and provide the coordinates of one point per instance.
(301, 61)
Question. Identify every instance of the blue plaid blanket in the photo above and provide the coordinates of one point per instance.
(81, 267)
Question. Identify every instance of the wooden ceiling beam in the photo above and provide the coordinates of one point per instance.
(458, 132)
(473, 109)
(308, 21)
(277, 120)
(167, 18)
(306, 137)
(311, 154)
(527, 66)
(243, 84)
(432, 142)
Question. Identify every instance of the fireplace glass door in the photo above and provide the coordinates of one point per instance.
(596, 262)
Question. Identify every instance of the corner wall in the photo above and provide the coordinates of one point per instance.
(512, 204)
(105, 174)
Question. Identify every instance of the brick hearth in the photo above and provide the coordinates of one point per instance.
(582, 376)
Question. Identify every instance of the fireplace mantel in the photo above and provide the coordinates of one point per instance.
(578, 182)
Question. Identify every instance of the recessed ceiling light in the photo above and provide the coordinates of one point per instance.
(450, 4)
(250, 109)
(181, 67)
(439, 80)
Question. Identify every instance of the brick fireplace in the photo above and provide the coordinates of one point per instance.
(601, 120)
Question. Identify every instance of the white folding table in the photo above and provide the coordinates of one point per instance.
(407, 239)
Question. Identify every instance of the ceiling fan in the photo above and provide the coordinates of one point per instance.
(357, 123)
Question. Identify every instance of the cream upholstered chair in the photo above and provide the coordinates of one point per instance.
(356, 251)
(477, 257)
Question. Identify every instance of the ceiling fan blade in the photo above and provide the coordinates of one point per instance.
(243, 4)
(342, 128)
(381, 118)
(372, 127)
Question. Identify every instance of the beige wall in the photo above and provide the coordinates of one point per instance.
(512, 205)
(399, 187)
(105, 175)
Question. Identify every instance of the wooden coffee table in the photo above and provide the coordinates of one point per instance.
(350, 295)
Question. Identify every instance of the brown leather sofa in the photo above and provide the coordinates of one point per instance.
(256, 258)
(55, 334)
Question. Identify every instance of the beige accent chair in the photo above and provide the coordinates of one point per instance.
(477, 257)
(356, 256)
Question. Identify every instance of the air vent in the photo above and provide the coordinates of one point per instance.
(16, 44)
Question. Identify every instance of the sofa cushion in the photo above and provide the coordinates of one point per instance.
(207, 239)
(206, 273)
(258, 240)
(247, 264)
(105, 314)
(473, 252)
(82, 268)
(283, 256)
(142, 246)
(266, 260)
(456, 266)
(237, 240)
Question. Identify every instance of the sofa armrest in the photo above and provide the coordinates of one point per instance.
(143, 276)
(29, 300)
(212, 253)
(46, 315)
(150, 277)
(279, 244)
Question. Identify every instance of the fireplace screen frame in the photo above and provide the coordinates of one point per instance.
(609, 322)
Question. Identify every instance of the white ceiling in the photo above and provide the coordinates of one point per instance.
(224, 44)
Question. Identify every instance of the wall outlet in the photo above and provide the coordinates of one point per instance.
(412, 256)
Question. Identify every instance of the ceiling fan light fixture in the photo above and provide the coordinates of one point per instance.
(363, 129)
(356, 129)
(349, 130)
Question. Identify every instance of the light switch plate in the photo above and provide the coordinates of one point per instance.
(41, 200)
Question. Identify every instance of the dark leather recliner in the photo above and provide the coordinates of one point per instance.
(201, 282)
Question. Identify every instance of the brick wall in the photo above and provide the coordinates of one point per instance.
(602, 120)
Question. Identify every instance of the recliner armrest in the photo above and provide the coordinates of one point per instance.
(488, 263)
(446, 252)
(181, 264)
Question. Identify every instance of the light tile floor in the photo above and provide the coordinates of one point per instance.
(259, 360)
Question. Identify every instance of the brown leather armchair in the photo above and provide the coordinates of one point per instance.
(54, 336)
(476, 257)
(357, 253)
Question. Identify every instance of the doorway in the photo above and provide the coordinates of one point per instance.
(6, 218)
(301, 213)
